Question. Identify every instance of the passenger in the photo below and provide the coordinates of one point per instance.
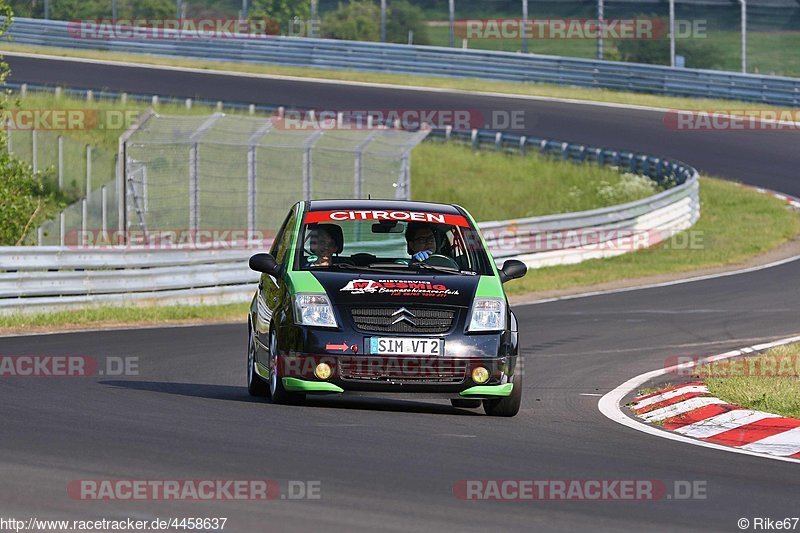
(322, 245)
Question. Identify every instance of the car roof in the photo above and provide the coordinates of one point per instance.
(385, 205)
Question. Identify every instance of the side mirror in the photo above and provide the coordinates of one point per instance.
(512, 269)
(265, 263)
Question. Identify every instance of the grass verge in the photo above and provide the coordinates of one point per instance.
(725, 235)
(769, 382)
(463, 84)
(531, 185)
(112, 316)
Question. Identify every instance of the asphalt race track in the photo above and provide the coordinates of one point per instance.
(393, 464)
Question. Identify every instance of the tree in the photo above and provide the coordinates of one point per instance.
(283, 16)
(401, 17)
(357, 20)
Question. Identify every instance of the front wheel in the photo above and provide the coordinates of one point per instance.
(277, 392)
(509, 405)
(255, 385)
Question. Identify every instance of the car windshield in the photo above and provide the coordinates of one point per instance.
(384, 241)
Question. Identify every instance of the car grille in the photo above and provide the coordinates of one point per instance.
(405, 369)
(420, 319)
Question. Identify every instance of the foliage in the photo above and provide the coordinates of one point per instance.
(353, 21)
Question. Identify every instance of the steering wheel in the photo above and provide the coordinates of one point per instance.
(442, 261)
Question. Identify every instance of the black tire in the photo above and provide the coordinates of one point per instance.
(278, 394)
(256, 386)
(509, 405)
(465, 403)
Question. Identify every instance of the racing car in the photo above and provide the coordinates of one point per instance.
(375, 298)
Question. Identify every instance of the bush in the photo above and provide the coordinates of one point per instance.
(22, 195)
(358, 20)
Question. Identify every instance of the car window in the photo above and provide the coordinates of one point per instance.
(381, 240)
(283, 239)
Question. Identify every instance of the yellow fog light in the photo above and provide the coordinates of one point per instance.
(323, 371)
(480, 375)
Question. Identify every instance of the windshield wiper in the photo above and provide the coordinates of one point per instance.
(348, 266)
(446, 270)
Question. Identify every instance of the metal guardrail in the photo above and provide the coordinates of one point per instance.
(434, 61)
(53, 278)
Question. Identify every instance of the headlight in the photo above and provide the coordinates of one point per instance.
(314, 310)
(488, 314)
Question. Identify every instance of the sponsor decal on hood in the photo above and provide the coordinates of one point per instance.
(399, 287)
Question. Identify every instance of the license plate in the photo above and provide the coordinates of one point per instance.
(406, 346)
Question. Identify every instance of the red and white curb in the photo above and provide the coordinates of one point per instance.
(690, 410)
(793, 201)
(702, 420)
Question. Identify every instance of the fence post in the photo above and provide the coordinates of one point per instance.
(33, 150)
(193, 190)
(84, 221)
(103, 211)
(307, 173)
(62, 225)
(8, 136)
(88, 171)
(358, 178)
(60, 163)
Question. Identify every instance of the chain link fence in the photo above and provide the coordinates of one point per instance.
(232, 173)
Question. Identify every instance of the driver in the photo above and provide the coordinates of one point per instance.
(421, 241)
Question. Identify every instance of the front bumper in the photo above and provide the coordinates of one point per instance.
(437, 377)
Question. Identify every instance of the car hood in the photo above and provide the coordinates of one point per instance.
(347, 288)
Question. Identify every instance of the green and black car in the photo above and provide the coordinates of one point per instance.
(366, 297)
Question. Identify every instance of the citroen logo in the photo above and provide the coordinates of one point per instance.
(403, 315)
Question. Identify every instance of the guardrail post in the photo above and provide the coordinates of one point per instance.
(565, 151)
(33, 150)
(60, 163)
(188, 103)
(474, 138)
(23, 90)
(448, 131)
(251, 109)
(39, 236)
(123, 98)
(8, 136)
(498, 140)
(522, 140)
(88, 170)
(57, 93)
(154, 100)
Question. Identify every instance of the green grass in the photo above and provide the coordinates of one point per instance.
(125, 315)
(769, 382)
(466, 84)
(497, 186)
(723, 236)
(773, 52)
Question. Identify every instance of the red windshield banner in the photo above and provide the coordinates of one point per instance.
(401, 216)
